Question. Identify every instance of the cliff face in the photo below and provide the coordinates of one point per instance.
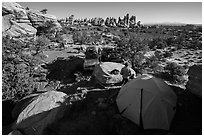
(17, 21)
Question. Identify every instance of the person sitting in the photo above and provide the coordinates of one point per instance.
(126, 73)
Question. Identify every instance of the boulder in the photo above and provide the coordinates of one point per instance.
(15, 132)
(15, 22)
(109, 72)
(14, 8)
(40, 112)
(38, 19)
(6, 22)
(19, 13)
(14, 29)
(22, 104)
(194, 84)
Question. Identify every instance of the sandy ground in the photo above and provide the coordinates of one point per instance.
(70, 51)
(186, 57)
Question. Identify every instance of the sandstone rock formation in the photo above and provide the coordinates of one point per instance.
(194, 84)
(39, 112)
(14, 29)
(17, 21)
(125, 22)
(14, 8)
(110, 22)
(97, 21)
(38, 19)
(132, 22)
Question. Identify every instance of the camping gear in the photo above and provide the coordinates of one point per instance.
(147, 101)
(109, 72)
(91, 52)
(91, 58)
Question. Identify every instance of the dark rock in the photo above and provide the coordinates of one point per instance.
(194, 84)
(7, 107)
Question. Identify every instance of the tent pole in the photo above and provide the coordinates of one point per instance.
(141, 121)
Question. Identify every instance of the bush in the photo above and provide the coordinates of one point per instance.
(41, 43)
(18, 68)
(157, 43)
(158, 54)
(167, 54)
(169, 41)
(175, 72)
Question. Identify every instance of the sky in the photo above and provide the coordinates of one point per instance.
(146, 12)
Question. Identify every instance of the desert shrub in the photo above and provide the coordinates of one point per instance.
(76, 36)
(167, 54)
(41, 43)
(156, 67)
(47, 29)
(157, 43)
(80, 37)
(158, 54)
(175, 72)
(44, 11)
(169, 41)
(153, 64)
(195, 44)
(18, 68)
(66, 29)
(178, 46)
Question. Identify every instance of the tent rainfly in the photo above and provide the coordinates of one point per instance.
(147, 101)
(103, 72)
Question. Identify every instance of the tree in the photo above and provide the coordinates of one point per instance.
(47, 29)
(27, 8)
(44, 11)
(133, 51)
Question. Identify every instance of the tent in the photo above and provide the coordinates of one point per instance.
(153, 97)
(109, 72)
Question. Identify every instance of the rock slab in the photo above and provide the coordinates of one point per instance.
(40, 112)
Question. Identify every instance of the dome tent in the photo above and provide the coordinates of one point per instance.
(153, 97)
(109, 72)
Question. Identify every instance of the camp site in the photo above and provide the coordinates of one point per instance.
(92, 69)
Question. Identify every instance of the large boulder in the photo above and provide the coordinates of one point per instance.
(14, 29)
(109, 72)
(22, 104)
(39, 19)
(15, 21)
(6, 22)
(39, 112)
(15, 9)
(194, 84)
